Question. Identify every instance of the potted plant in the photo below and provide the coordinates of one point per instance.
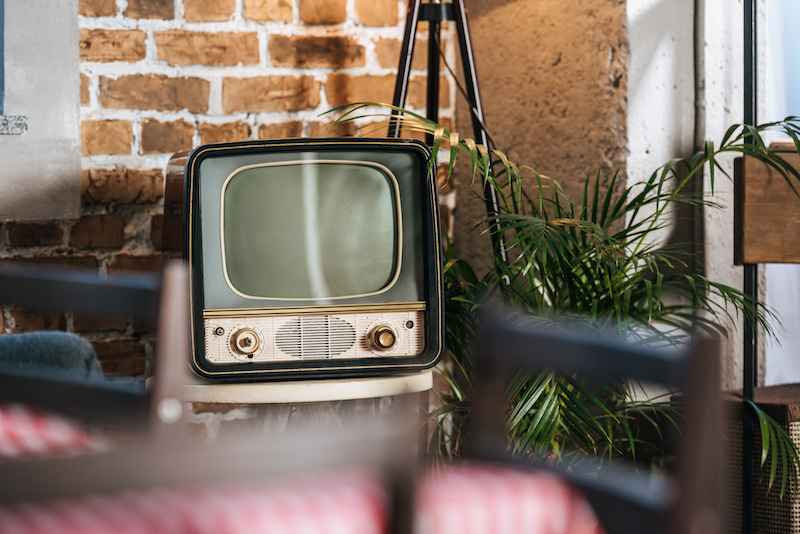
(602, 260)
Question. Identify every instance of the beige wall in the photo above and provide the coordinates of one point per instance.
(553, 81)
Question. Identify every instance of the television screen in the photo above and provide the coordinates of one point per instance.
(313, 258)
(335, 230)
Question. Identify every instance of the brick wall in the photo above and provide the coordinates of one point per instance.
(159, 76)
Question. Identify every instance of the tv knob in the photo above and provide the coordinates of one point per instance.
(245, 341)
(384, 337)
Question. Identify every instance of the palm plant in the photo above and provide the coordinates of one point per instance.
(601, 259)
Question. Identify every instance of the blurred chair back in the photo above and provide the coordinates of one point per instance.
(159, 301)
(625, 501)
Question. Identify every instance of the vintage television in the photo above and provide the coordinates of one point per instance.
(313, 258)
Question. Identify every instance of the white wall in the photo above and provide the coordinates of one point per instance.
(40, 171)
(661, 114)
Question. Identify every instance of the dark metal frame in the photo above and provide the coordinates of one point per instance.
(749, 379)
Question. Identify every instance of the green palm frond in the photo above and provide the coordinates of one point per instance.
(600, 258)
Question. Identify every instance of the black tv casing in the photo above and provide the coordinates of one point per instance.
(409, 161)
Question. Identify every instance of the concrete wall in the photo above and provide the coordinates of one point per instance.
(40, 173)
(553, 79)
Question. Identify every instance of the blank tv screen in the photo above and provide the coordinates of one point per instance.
(310, 230)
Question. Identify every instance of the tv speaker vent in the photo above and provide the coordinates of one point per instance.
(315, 336)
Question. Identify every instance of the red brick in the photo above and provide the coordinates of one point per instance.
(388, 53)
(85, 97)
(315, 51)
(151, 9)
(128, 262)
(81, 262)
(326, 129)
(97, 8)
(323, 11)
(106, 137)
(377, 12)
(418, 92)
(154, 92)
(98, 231)
(281, 130)
(34, 235)
(181, 47)
(208, 10)
(121, 357)
(31, 321)
(343, 89)
(166, 137)
(121, 186)
(268, 10)
(82, 323)
(112, 45)
(270, 93)
(224, 133)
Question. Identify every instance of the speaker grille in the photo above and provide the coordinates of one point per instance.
(311, 336)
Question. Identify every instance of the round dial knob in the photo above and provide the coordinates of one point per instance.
(245, 341)
(384, 337)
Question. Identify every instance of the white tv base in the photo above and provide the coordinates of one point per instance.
(294, 392)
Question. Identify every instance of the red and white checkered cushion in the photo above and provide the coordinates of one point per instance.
(354, 503)
(25, 432)
(480, 499)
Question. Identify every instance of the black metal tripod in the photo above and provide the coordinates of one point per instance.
(435, 14)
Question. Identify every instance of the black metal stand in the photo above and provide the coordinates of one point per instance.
(435, 14)
(750, 285)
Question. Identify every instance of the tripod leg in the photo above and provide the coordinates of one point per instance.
(434, 40)
(404, 68)
(476, 112)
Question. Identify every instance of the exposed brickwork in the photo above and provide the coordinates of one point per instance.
(377, 12)
(158, 76)
(121, 357)
(270, 93)
(121, 186)
(323, 11)
(83, 262)
(208, 10)
(283, 130)
(30, 321)
(166, 137)
(98, 231)
(326, 129)
(180, 47)
(112, 45)
(268, 10)
(313, 51)
(34, 235)
(154, 92)
(344, 89)
(97, 8)
(127, 262)
(150, 9)
(388, 51)
(82, 323)
(85, 96)
(106, 137)
(417, 92)
(224, 133)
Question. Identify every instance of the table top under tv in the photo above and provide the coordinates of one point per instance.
(293, 392)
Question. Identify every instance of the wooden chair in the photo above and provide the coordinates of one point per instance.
(153, 299)
(625, 501)
(170, 481)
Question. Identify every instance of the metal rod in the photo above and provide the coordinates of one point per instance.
(476, 108)
(404, 68)
(432, 110)
(750, 284)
